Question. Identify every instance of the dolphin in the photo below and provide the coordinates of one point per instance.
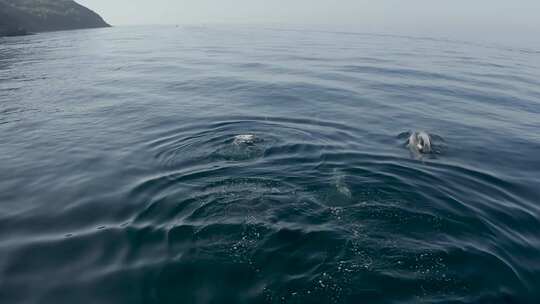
(246, 139)
(341, 185)
(420, 142)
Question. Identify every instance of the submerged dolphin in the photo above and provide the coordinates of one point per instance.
(420, 142)
(247, 139)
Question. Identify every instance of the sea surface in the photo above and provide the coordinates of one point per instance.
(123, 179)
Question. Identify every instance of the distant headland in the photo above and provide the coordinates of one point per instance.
(21, 17)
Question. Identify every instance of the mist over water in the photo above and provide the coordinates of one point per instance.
(510, 23)
(123, 179)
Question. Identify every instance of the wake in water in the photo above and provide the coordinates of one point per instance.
(242, 147)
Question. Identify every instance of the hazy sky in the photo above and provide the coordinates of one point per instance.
(495, 18)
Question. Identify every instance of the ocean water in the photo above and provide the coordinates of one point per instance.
(123, 179)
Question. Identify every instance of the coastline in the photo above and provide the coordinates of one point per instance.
(46, 16)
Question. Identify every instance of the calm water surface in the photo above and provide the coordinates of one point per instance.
(121, 180)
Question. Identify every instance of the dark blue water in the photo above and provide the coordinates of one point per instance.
(121, 180)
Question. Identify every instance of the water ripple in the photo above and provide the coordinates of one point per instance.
(140, 186)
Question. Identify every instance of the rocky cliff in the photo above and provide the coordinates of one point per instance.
(19, 17)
